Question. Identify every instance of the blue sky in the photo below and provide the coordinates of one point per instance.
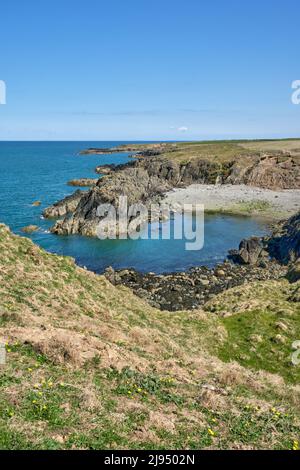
(149, 70)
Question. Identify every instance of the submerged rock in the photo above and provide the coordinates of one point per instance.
(30, 229)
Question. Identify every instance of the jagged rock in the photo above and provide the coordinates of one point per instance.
(143, 180)
(250, 251)
(146, 179)
(283, 246)
(65, 206)
(266, 171)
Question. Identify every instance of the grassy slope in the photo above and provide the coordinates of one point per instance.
(92, 366)
(226, 150)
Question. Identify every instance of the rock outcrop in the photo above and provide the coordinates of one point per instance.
(145, 179)
(283, 245)
(251, 251)
(267, 171)
(65, 206)
(83, 182)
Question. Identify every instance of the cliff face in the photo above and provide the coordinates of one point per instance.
(147, 178)
(271, 172)
(142, 181)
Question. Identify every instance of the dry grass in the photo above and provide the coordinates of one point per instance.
(93, 366)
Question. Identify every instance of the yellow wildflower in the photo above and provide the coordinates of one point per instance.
(296, 445)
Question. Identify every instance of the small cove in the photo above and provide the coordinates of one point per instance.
(31, 171)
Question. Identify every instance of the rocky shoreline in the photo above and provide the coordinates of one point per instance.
(151, 176)
(191, 289)
(257, 259)
(148, 178)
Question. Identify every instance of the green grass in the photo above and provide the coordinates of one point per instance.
(76, 346)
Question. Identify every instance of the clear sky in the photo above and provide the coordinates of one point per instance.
(149, 69)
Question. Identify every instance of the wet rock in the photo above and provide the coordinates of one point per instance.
(36, 203)
(194, 288)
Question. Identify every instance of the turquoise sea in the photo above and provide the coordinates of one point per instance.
(31, 171)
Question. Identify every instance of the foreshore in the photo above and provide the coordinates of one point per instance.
(236, 199)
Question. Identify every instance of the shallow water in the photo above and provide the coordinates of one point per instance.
(31, 171)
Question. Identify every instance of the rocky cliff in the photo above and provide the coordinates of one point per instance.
(149, 177)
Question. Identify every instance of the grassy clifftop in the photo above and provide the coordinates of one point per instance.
(221, 150)
(92, 366)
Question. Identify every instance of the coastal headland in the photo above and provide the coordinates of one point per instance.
(199, 359)
(157, 169)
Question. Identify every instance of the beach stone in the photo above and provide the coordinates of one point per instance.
(220, 273)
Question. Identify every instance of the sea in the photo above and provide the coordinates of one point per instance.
(39, 171)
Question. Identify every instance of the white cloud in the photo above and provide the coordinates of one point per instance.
(182, 129)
